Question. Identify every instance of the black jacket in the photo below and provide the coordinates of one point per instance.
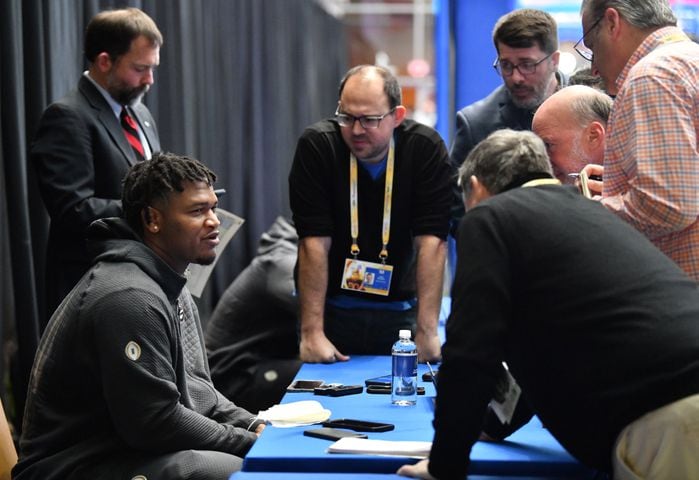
(597, 325)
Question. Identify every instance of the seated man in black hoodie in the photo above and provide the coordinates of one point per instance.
(120, 386)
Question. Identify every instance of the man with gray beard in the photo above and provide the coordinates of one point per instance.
(526, 42)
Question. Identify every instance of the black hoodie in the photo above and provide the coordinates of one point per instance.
(121, 368)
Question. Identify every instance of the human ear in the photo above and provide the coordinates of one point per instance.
(613, 22)
(151, 219)
(478, 192)
(103, 62)
(400, 114)
(555, 58)
(595, 133)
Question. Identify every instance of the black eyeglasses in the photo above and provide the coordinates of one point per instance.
(527, 67)
(581, 48)
(366, 121)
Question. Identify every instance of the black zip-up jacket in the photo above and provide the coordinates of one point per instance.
(118, 371)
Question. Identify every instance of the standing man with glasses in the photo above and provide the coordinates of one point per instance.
(651, 161)
(526, 42)
(370, 194)
(86, 141)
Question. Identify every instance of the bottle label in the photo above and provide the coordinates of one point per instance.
(405, 365)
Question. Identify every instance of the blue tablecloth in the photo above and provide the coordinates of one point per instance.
(352, 476)
(531, 451)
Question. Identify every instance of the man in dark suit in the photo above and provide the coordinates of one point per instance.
(86, 141)
(526, 42)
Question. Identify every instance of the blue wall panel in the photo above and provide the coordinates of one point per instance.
(469, 52)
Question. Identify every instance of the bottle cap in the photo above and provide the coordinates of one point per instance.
(404, 334)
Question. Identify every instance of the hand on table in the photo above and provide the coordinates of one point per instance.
(419, 470)
(318, 349)
(258, 430)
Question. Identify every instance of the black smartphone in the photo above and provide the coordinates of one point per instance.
(383, 380)
(380, 389)
(359, 425)
(338, 390)
(332, 434)
(304, 385)
(386, 389)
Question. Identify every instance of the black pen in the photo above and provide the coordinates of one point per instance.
(432, 377)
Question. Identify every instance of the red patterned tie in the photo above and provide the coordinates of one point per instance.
(131, 131)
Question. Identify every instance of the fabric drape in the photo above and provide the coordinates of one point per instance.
(237, 83)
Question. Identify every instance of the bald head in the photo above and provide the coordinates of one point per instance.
(369, 91)
(370, 73)
(572, 123)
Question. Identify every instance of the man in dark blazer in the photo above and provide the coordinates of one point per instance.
(81, 151)
(526, 42)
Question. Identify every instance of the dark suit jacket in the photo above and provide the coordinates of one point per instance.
(474, 123)
(80, 155)
(480, 119)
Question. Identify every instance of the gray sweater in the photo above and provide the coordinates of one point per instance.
(121, 369)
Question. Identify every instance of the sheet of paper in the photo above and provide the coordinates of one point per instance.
(381, 447)
(198, 275)
(505, 409)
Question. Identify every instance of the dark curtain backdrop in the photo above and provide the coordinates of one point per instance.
(237, 83)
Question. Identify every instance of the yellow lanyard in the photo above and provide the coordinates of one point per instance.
(672, 38)
(354, 200)
(541, 181)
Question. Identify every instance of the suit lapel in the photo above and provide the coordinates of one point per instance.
(107, 118)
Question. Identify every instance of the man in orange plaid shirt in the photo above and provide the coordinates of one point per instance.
(651, 162)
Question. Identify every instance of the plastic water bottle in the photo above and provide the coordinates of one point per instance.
(404, 382)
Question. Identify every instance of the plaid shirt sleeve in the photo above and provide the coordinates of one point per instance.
(651, 161)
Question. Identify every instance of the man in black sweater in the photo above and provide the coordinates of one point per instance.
(370, 192)
(598, 326)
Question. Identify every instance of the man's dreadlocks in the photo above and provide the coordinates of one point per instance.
(156, 179)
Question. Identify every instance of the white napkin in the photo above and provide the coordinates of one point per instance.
(295, 414)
